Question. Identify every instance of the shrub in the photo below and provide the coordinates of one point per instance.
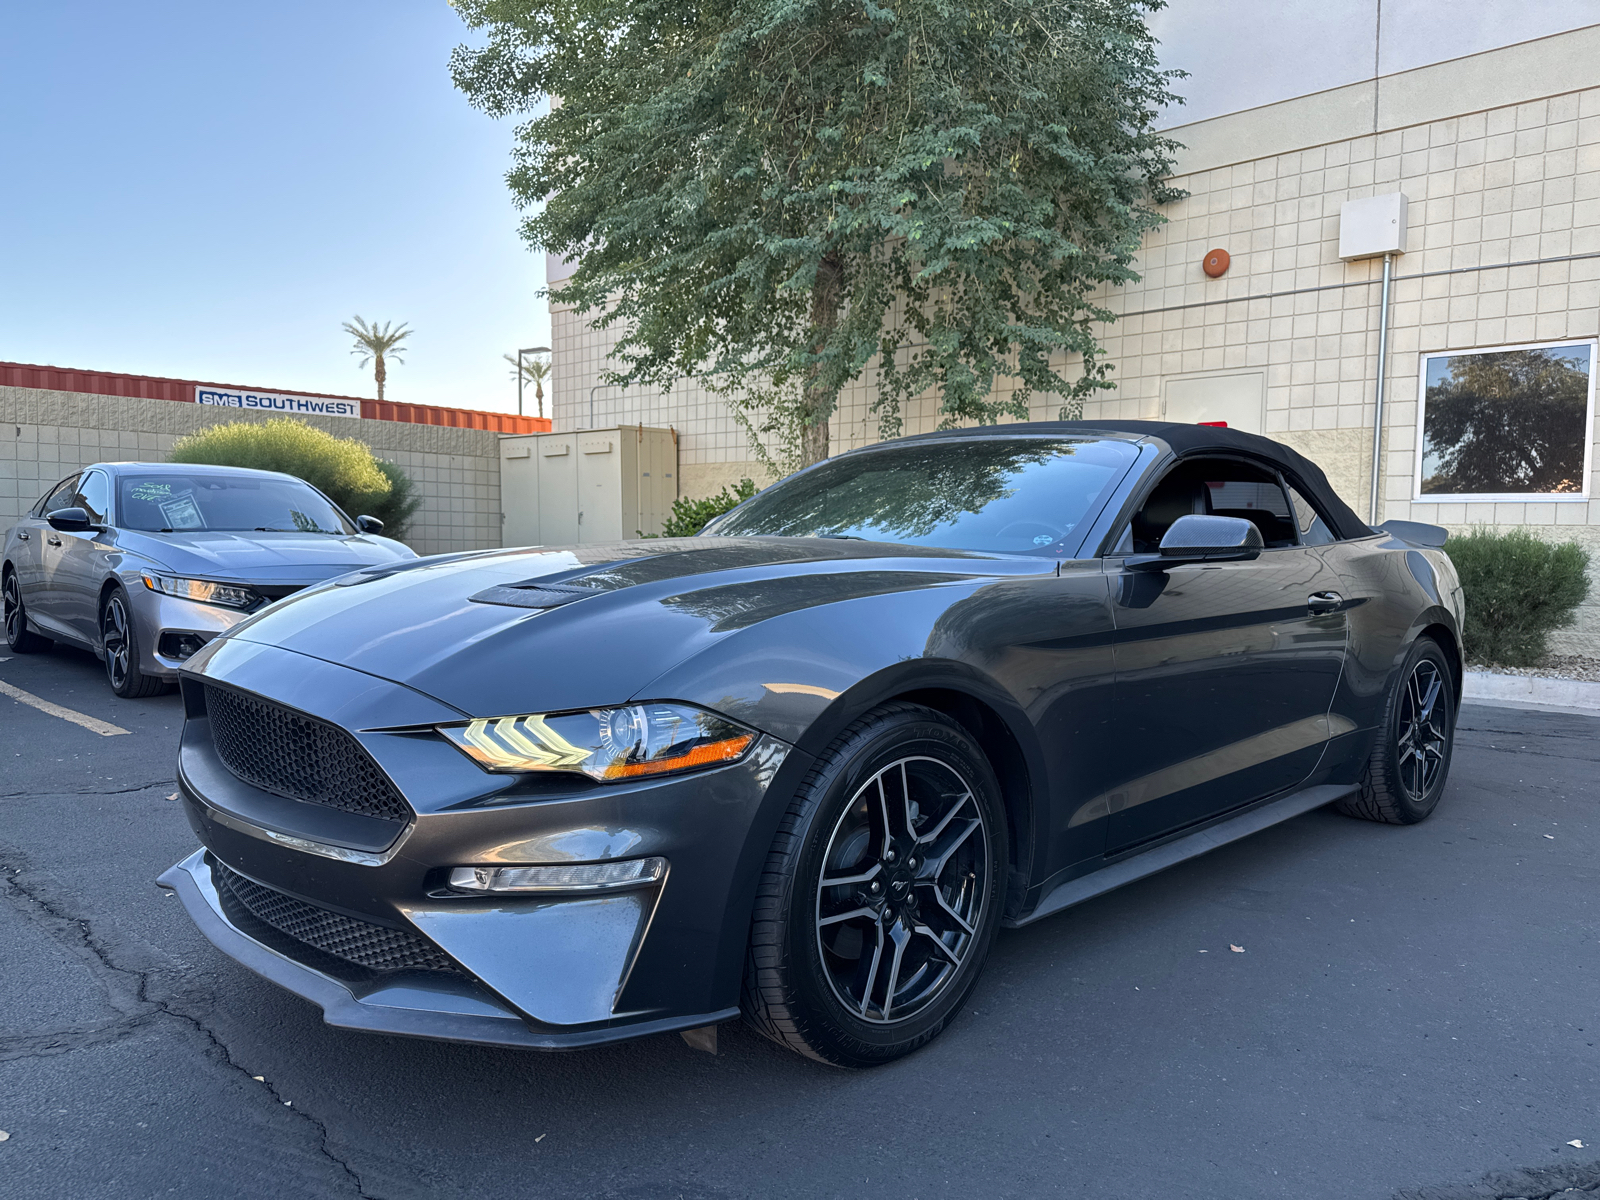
(1518, 590)
(343, 469)
(689, 517)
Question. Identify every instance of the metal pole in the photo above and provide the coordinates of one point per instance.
(1383, 370)
(519, 383)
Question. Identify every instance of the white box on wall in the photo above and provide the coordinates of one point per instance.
(1374, 226)
(601, 485)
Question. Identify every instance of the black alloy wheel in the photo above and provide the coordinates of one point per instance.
(120, 642)
(19, 637)
(882, 893)
(1411, 761)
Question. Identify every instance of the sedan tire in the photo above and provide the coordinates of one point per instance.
(1411, 760)
(882, 892)
(120, 640)
(19, 637)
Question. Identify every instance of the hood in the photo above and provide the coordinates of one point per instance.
(268, 558)
(510, 631)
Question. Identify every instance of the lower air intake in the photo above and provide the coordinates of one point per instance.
(376, 947)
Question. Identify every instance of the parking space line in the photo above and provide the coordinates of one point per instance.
(94, 724)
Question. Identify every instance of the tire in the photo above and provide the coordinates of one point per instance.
(865, 970)
(1410, 761)
(19, 637)
(120, 649)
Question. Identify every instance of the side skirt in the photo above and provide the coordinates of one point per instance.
(1181, 849)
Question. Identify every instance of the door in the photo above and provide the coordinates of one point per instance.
(558, 489)
(600, 488)
(41, 594)
(80, 562)
(1224, 672)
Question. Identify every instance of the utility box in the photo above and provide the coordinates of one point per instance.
(1373, 227)
(598, 485)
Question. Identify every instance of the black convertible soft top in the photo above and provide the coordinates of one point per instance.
(1197, 439)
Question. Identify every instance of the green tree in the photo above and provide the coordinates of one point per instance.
(1508, 422)
(779, 193)
(375, 343)
(531, 370)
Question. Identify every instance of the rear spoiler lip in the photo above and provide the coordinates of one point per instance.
(1416, 532)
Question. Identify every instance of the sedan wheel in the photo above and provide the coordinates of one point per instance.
(19, 637)
(882, 893)
(1410, 762)
(120, 640)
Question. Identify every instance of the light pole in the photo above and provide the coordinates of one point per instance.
(520, 353)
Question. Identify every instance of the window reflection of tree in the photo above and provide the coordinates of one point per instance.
(907, 492)
(1508, 422)
(739, 605)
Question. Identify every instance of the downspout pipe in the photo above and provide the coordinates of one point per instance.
(1383, 371)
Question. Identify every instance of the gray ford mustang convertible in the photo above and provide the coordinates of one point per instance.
(144, 563)
(803, 766)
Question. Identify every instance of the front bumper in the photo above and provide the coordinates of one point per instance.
(408, 1004)
(159, 618)
(552, 971)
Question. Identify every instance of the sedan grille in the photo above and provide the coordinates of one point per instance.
(376, 947)
(281, 750)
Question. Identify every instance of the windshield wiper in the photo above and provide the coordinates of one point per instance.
(842, 537)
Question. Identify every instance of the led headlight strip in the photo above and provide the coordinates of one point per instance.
(561, 877)
(232, 595)
(608, 744)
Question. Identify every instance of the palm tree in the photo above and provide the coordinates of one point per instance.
(534, 371)
(375, 341)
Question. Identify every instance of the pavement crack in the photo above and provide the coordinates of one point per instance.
(129, 991)
(122, 791)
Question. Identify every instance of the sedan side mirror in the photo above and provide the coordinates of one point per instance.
(369, 525)
(69, 520)
(1198, 538)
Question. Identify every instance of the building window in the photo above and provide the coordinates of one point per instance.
(1506, 424)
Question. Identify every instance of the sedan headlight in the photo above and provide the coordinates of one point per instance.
(607, 744)
(232, 595)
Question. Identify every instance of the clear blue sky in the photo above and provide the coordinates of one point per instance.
(206, 190)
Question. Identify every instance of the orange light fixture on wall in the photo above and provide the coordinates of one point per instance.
(1215, 263)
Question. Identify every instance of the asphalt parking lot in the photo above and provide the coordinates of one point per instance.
(1415, 1013)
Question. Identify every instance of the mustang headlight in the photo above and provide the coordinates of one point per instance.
(232, 595)
(607, 744)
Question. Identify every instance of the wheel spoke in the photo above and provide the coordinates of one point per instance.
(950, 955)
(899, 936)
(866, 876)
(872, 971)
(930, 887)
(935, 864)
(933, 835)
(848, 916)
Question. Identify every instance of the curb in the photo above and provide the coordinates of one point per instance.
(1485, 687)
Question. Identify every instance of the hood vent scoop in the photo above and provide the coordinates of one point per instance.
(533, 595)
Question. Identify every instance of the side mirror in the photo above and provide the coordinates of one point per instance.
(369, 525)
(69, 520)
(1199, 538)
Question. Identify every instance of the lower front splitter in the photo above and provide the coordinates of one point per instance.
(412, 1006)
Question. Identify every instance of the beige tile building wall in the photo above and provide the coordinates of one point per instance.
(46, 435)
(1499, 156)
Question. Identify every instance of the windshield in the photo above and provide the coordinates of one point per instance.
(1006, 495)
(179, 503)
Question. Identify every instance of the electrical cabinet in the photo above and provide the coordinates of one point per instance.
(597, 485)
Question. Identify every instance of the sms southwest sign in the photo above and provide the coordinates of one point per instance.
(276, 402)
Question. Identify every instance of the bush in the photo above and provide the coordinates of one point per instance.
(1519, 589)
(343, 469)
(689, 517)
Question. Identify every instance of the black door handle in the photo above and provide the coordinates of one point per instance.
(22, 535)
(52, 540)
(1324, 602)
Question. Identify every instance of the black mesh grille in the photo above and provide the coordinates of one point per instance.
(375, 947)
(287, 752)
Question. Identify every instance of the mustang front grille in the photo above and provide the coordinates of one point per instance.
(281, 750)
(375, 947)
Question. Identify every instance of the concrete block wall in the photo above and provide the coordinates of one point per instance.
(46, 435)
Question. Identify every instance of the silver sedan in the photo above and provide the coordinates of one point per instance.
(144, 563)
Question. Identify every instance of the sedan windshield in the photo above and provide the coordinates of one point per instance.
(1006, 495)
(179, 503)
